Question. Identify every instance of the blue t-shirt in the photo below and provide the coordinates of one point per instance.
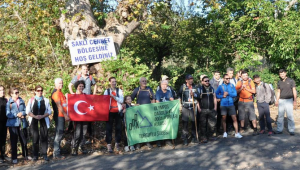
(163, 97)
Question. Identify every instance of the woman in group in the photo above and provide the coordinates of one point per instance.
(3, 119)
(80, 128)
(38, 109)
(17, 123)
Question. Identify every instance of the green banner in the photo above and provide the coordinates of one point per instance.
(152, 122)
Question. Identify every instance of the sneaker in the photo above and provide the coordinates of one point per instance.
(185, 142)
(224, 135)
(1, 161)
(138, 146)
(132, 148)
(238, 135)
(58, 157)
(158, 143)
(278, 132)
(74, 152)
(126, 148)
(270, 133)
(292, 133)
(262, 132)
(117, 147)
(35, 158)
(15, 161)
(109, 149)
(149, 145)
(83, 150)
(204, 141)
(169, 143)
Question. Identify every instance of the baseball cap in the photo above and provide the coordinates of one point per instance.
(187, 77)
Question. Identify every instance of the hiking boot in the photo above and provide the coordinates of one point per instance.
(1, 161)
(278, 132)
(109, 149)
(15, 161)
(46, 158)
(149, 145)
(117, 147)
(138, 146)
(238, 135)
(224, 135)
(83, 150)
(185, 142)
(132, 148)
(35, 158)
(58, 157)
(74, 152)
(262, 132)
(195, 141)
(292, 133)
(204, 141)
(158, 143)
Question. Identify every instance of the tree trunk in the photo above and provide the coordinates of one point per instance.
(78, 22)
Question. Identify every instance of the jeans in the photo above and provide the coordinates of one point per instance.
(114, 117)
(264, 111)
(15, 135)
(285, 105)
(79, 134)
(58, 135)
(37, 134)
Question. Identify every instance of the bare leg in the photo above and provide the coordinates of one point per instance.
(242, 123)
(235, 123)
(254, 123)
(224, 122)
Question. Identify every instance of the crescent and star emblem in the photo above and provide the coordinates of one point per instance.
(76, 107)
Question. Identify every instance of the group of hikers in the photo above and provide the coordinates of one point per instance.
(215, 106)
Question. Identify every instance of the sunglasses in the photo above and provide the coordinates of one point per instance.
(17, 92)
(206, 81)
(39, 91)
(227, 78)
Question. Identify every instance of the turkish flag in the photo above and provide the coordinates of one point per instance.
(83, 107)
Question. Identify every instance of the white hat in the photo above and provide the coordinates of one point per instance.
(164, 77)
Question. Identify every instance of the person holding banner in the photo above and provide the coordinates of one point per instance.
(115, 112)
(3, 120)
(188, 96)
(17, 124)
(143, 95)
(163, 95)
(89, 82)
(38, 109)
(127, 103)
(61, 103)
(80, 128)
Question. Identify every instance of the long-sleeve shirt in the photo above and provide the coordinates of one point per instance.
(229, 99)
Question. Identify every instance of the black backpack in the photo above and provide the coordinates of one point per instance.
(117, 91)
(272, 94)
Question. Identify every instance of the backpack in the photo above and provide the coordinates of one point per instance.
(79, 75)
(147, 89)
(272, 94)
(211, 91)
(117, 91)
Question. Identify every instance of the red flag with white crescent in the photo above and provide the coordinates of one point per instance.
(82, 107)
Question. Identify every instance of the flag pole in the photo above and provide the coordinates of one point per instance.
(195, 118)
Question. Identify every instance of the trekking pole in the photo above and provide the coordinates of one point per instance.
(23, 136)
(195, 118)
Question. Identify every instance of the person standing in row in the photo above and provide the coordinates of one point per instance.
(80, 127)
(115, 112)
(188, 96)
(38, 109)
(143, 95)
(227, 92)
(61, 103)
(17, 124)
(245, 90)
(263, 98)
(127, 104)
(3, 120)
(286, 102)
(164, 95)
(166, 78)
(207, 107)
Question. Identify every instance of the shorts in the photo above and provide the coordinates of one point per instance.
(246, 108)
(230, 110)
